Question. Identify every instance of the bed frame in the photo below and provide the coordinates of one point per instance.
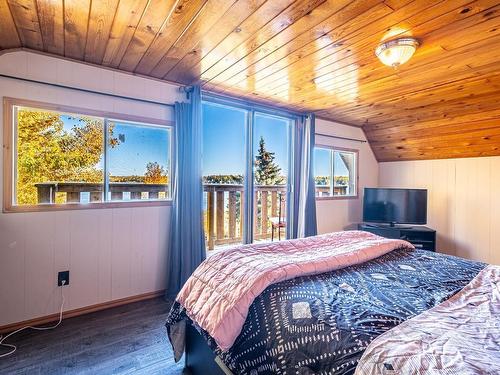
(200, 359)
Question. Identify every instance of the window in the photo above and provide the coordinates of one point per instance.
(335, 172)
(246, 158)
(62, 156)
(138, 160)
(224, 170)
(271, 158)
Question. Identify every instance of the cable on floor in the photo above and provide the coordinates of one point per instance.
(12, 347)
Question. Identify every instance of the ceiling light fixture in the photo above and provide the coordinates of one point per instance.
(396, 52)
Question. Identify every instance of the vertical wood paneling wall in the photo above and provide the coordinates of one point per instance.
(111, 253)
(339, 214)
(463, 202)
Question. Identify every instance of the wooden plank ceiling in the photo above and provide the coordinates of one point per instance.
(314, 55)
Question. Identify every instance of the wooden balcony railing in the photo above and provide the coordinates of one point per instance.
(224, 208)
(225, 204)
(324, 190)
(73, 191)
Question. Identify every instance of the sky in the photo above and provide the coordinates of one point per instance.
(224, 139)
(322, 163)
(223, 144)
(138, 146)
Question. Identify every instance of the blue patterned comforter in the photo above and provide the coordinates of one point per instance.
(321, 324)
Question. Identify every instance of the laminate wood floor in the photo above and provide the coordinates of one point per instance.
(129, 339)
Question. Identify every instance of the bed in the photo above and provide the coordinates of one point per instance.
(313, 319)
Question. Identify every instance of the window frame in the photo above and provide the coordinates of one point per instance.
(10, 148)
(356, 175)
(251, 112)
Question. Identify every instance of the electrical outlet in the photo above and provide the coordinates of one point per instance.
(63, 276)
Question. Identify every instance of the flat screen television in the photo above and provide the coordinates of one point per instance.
(395, 206)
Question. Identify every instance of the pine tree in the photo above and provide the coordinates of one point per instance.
(267, 172)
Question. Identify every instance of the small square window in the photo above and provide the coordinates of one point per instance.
(138, 161)
(335, 172)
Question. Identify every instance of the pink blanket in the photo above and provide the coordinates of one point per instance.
(219, 293)
(457, 337)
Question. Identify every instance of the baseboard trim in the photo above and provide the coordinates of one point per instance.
(81, 311)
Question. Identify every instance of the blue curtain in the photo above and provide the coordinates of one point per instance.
(187, 242)
(303, 215)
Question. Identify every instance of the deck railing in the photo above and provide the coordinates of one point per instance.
(74, 190)
(324, 190)
(225, 205)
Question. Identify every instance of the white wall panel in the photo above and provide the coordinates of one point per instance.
(121, 248)
(62, 249)
(463, 205)
(150, 256)
(39, 263)
(494, 250)
(84, 257)
(12, 268)
(105, 256)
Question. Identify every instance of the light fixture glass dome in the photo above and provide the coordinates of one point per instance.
(396, 52)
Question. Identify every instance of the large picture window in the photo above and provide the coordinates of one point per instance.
(60, 157)
(335, 172)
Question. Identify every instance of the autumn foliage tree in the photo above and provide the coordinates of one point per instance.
(155, 174)
(46, 151)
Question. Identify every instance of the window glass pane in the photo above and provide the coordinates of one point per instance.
(323, 171)
(271, 160)
(138, 160)
(344, 173)
(223, 174)
(334, 172)
(59, 157)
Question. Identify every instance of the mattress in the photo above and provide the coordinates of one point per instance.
(322, 324)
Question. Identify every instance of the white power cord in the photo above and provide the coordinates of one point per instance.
(13, 347)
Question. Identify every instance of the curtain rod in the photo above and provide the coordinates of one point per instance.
(343, 138)
(85, 90)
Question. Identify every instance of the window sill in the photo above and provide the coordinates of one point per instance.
(337, 197)
(84, 206)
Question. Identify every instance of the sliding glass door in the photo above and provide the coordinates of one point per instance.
(224, 170)
(271, 155)
(246, 158)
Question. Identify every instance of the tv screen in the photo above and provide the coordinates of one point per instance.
(403, 206)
